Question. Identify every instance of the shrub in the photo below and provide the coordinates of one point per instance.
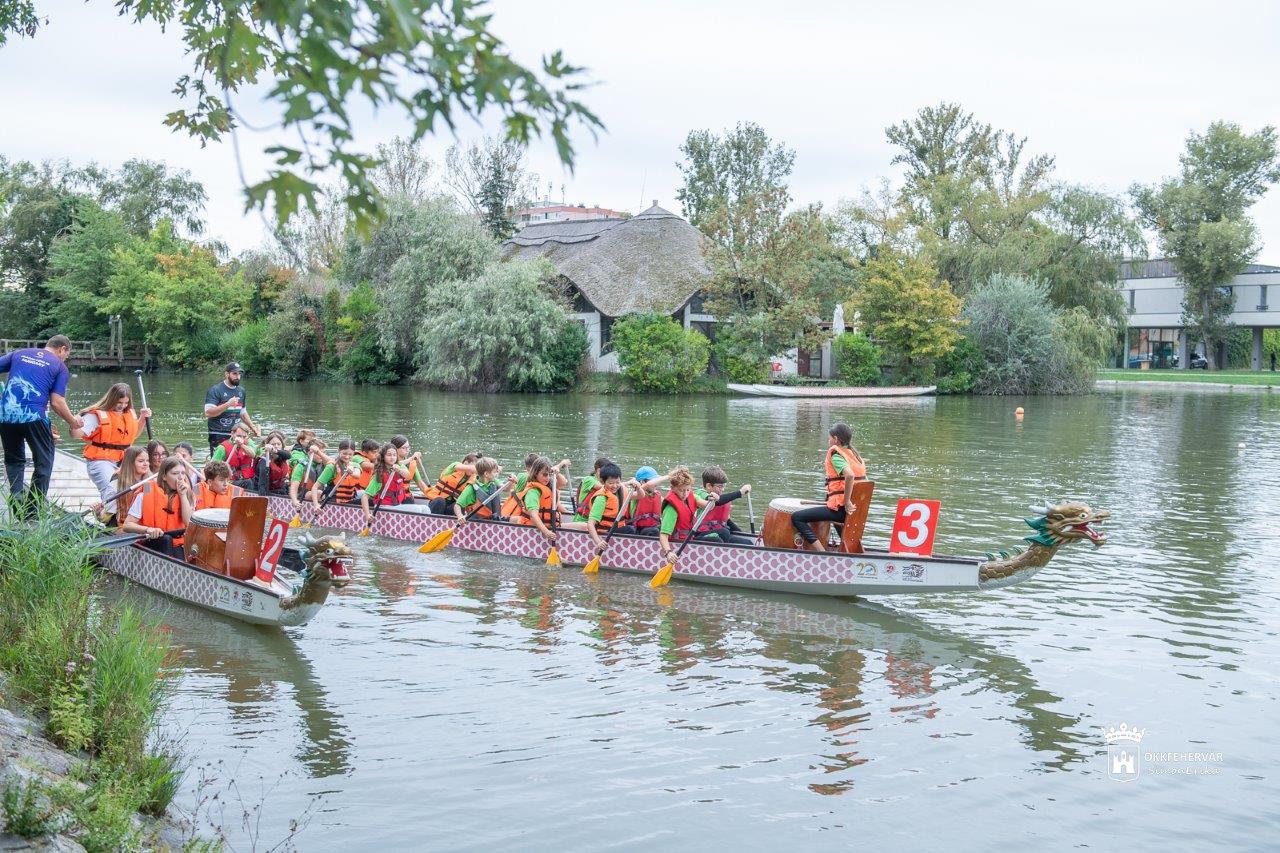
(28, 810)
(956, 369)
(657, 354)
(1024, 345)
(247, 344)
(857, 359)
(738, 354)
(502, 331)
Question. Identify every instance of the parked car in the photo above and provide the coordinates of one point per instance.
(1136, 361)
(1198, 362)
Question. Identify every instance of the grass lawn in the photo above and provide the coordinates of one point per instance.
(1225, 377)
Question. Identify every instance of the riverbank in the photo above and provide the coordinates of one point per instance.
(1263, 380)
(84, 764)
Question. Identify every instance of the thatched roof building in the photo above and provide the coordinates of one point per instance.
(650, 262)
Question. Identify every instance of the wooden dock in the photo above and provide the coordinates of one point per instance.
(93, 355)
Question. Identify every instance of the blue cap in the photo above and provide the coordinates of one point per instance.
(646, 473)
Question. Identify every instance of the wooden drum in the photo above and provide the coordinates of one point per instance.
(206, 539)
(778, 532)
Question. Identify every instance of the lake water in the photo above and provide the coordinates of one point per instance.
(462, 701)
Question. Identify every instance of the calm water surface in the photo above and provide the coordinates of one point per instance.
(461, 701)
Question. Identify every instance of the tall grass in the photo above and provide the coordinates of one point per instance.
(96, 671)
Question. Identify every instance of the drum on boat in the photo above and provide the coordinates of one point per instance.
(206, 538)
(778, 532)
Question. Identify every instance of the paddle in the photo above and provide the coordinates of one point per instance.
(142, 395)
(118, 540)
(441, 539)
(297, 513)
(553, 556)
(369, 527)
(751, 512)
(663, 575)
(325, 497)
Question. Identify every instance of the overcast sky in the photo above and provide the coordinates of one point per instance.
(1109, 88)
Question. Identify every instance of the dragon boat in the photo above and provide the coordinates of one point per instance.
(219, 568)
(775, 563)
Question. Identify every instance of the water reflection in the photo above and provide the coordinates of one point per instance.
(261, 674)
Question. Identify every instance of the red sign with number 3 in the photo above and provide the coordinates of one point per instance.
(272, 548)
(914, 526)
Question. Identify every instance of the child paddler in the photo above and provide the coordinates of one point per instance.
(680, 507)
(510, 507)
(241, 455)
(534, 503)
(388, 473)
(338, 479)
(414, 463)
(216, 491)
(602, 508)
(304, 476)
(843, 467)
(717, 526)
(163, 505)
(110, 427)
(478, 491)
(590, 481)
(453, 479)
(644, 510)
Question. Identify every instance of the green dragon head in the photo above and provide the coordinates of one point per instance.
(1066, 521)
(328, 558)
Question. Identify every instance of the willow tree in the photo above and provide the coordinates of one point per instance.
(1200, 218)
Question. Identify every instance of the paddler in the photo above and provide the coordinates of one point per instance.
(413, 463)
(478, 491)
(108, 428)
(591, 480)
(344, 469)
(844, 467)
(305, 474)
(274, 468)
(602, 507)
(679, 509)
(535, 504)
(453, 479)
(388, 473)
(164, 505)
(644, 510)
(241, 455)
(217, 491)
(509, 506)
(717, 525)
(184, 451)
(135, 466)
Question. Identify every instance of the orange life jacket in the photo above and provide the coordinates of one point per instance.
(482, 498)
(686, 510)
(612, 500)
(348, 485)
(161, 510)
(546, 506)
(648, 511)
(115, 432)
(209, 499)
(835, 482)
(449, 486)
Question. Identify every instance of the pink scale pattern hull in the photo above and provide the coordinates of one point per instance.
(804, 572)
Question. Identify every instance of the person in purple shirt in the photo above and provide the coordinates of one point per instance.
(37, 381)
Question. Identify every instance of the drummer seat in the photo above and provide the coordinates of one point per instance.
(851, 529)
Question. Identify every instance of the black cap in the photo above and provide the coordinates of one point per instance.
(233, 367)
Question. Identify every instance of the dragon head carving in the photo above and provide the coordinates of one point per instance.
(328, 558)
(1054, 525)
(1066, 521)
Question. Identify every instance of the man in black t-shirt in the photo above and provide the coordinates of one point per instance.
(224, 406)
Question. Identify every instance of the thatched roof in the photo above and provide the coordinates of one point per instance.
(650, 262)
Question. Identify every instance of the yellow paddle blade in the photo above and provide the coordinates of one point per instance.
(663, 576)
(438, 541)
(306, 525)
(364, 532)
(553, 558)
(592, 566)
(297, 521)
